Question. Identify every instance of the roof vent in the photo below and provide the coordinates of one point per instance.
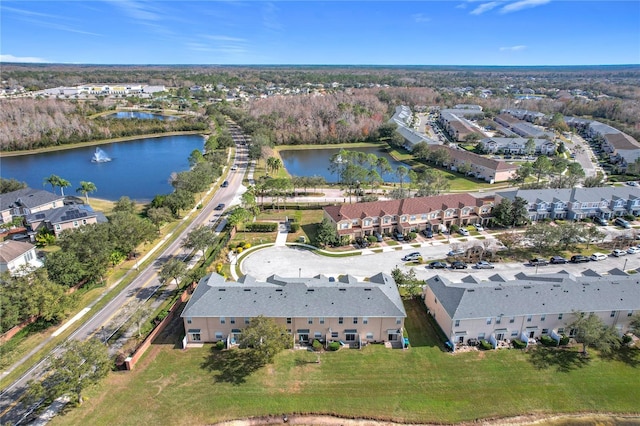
(278, 289)
(310, 289)
(527, 286)
(498, 288)
(470, 290)
(222, 289)
(367, 289)
(247, 289)
(342, 289)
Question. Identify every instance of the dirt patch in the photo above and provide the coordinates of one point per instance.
(576, 419)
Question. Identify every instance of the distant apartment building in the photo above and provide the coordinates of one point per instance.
(104, 90)
(408, 214)
(480, 167)
(455, 122)
(518, 146)
(403, 119)
(522, 128)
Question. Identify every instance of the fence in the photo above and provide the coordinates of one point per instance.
(131, 361)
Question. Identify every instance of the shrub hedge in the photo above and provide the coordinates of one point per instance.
(261, 227)
(518, 344)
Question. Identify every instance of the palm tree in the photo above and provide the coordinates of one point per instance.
(401, 172)
(52, 180)
(63, 183)
(86, 188)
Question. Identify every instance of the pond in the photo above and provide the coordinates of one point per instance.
(140, 115)
(316, 162)
(139, 169)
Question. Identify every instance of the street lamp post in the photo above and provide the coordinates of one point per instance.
(624, 268)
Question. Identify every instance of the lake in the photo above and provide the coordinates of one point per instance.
(140, 115)
(139, 169)
(315, 162)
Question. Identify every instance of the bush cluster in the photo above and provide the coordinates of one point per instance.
(261, 227)
(548, 341)
(294, 227)
(518, 344)
(334, 346)
(317, 346)
(564, 340)
(484, 345)
(220, 345)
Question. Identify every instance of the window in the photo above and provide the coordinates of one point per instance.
(404, 218)
(542, 318)
(367, 222)
(365, 320)
(488, 320)
(340, 320)
(369, 336)
(398, 321)
(195, 337)
(561, 330)
(529, 318)
(222, 320)
(344, 226)
(435, 300)
(232, 320)
(321, 320)
(310, 321)
(247, 320)
(457, 324)
(559, 316)
(355, 320)
(514, 333)
(288, 320)
(424, 217)
(545, 331)
(334, 334)
(512, 320)
(412, 218)
(350, 337)
(218, 335)
(57, 227)
(385, 220)
(317, 335)
(481, 336)
(188, 320)
(613, 314)
(498, 320)
(75, 223)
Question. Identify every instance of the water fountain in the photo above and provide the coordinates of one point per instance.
(100, 156)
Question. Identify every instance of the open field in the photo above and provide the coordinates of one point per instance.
(423, 384)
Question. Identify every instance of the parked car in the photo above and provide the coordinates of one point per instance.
(456, 252)
(578, 258)
(558, 260)
(378, 237)
(361, 243)
(428, 233)
(463, 232)
(437, 265)
(598, 256)
(622, 223)
(633, 250)
(398, 236)
(458, 264)
(632, 183)
(19, 237)
(618, 253)
(601, 221)
(483, 264)
(220, 206)
(225, 184)
(537, 261)
(479, 227)
(412, 257)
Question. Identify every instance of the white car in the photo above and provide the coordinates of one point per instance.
(633, 250)
(479, 227)
(618, 253)
(463, 232)
(598, 256)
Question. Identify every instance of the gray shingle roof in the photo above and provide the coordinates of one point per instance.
(575, 194)
(66, 214)
(10, 250)
(27, 197)
(295, 297)
(535, 295)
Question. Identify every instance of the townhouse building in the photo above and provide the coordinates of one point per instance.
(480, 167)
(345, 309)
(456, 124)
(577, 203)
(409, 214)
(522, 128)
(530, 306)
(518, 146)
(526, 115)
(403, 119)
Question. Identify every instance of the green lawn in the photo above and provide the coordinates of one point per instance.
(421, 384)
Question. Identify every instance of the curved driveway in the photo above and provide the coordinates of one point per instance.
(297, 262)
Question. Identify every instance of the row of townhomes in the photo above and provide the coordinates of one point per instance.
(105, 89)
(518, 146)
(530, 306)
(523, 128)
(403, 119)
(408, 214)
(487, 169)
(577, 203)
(455, 121)
(330, 310)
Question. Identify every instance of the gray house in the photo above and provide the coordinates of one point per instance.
(530, 306)
(27, 201)
(346, 310)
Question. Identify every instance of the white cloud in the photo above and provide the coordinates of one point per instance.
(22, 59)
(270, 16)
(513, 48)
(420, 17)
(485, 7)
(522, 4)
(138, 10)
(461, 6)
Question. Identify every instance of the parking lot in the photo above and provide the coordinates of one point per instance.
(297, 262)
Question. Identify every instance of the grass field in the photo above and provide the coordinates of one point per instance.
(421, 384)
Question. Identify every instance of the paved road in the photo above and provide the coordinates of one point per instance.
(140, 288)
(295, 262)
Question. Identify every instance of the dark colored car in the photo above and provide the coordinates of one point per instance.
(220, 206)
(578, 258)
(458, 264)
(558, 260)
(537, 261)
(379, 237)
(225, 184)
(428, 233)
(601, 221)
(437, 265)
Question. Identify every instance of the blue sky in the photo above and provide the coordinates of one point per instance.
(455, 32)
